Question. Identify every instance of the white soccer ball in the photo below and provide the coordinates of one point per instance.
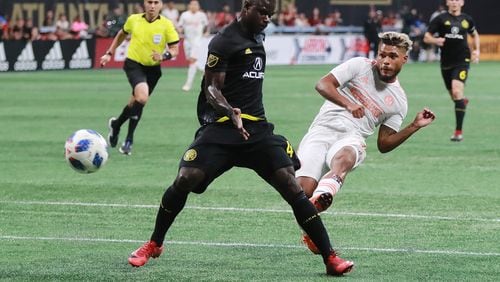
(86, 151)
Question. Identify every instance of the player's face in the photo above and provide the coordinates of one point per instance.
(390, 60)
(152, 7)
(256, 17)
(194, 6)
(454, 5)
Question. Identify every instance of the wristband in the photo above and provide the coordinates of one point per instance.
(167, 56)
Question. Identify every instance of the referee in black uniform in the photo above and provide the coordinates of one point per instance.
(234, 132)
(452, 28)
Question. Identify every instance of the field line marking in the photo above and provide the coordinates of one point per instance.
(366, 214)
(251, 245)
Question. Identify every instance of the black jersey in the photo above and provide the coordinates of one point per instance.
(242, 57)
(454, 29)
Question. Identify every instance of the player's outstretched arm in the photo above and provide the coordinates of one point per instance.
(389, 139)
(214, 82)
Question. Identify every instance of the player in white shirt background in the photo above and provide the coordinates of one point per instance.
(361, 94)
(193, 24)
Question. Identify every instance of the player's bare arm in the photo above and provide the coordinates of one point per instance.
(475, 46)
(120, 36)
(327, 87)
(429, 39)
(389, 139)
(219, 103)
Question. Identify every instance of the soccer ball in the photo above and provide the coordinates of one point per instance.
(86, 151)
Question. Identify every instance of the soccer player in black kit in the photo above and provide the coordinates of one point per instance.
(452, 29)
(234, 132)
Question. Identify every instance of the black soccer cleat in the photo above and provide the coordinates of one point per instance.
(113, 133)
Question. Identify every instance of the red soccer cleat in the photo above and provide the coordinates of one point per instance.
(140, 256)
(310, 244)
(336, 266)
(322, 201)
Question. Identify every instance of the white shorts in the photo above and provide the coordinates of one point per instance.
(319, 146)
(191, 49)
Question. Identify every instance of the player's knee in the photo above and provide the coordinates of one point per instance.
(189, 179)
(346, 155)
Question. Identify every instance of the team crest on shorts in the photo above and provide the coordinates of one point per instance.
(190, 155)
(462, 75)
(212, 60)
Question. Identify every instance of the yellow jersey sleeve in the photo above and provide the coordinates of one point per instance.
(148, 36)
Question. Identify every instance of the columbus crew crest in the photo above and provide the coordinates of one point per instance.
(212, 60)
(190, 155)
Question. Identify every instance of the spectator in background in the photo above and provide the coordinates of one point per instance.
(79, 28)
(223, 17)
(171, 12)
(48, 28)
(4, 26)
(102, 28)
(334, 19)
(138, 9)
(315, 18)
(63, 27)
(371, 28)
(16, 30)
(115, 21)
(28, 29)
(288, 15)
(301, 20)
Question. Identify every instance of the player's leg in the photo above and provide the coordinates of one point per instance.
(312, 153)
(283, 180)
(172, 202)
(192, 68)
(200, 165)
(272, 160)
(457, 94)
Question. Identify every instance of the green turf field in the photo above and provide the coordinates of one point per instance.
(427, 211)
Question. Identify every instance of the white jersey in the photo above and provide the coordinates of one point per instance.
(193, 25)
(384, 103)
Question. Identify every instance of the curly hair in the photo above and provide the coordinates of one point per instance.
(397, 39)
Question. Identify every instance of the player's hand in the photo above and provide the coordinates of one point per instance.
(238, 123)
(475, 56)
(356, 110)
(105, 59)
(424, 118)
(156, 56)
(439, 41)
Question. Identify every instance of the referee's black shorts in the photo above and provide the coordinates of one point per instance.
(137, 73)
(211, 153)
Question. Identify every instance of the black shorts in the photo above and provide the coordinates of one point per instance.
(264, 152)
(137, 73)
(454, 73)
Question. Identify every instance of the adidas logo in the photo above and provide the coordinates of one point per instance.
(26, 60)
(81, 59)
(4, 64)
(54, 59)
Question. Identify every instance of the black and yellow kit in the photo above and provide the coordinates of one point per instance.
(218, 146)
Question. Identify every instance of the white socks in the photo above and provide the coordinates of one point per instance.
(328, 185)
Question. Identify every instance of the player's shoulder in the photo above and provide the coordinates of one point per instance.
(361, 61)
(135, 17)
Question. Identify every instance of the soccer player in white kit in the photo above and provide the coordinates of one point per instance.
(193, 23)
(360, 94)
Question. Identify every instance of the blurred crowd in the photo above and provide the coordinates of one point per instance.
(59, 27)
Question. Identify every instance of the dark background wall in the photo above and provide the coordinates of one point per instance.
(484, 12)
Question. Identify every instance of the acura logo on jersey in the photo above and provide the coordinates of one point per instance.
(455, 33)
(258, 64)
